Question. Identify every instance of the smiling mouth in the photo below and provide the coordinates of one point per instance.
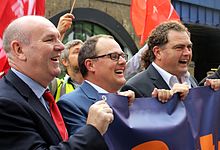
(183, 62)
(119, 71)
(55, 58)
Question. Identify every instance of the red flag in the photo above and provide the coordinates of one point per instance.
(157, 11)
(137, 14)
(12, 9)
(40, 7)
(4, 66)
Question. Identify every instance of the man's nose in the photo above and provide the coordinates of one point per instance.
(59, 46)
(187, 51)
(122, 60)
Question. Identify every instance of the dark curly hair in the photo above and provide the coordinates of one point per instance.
(159, 37)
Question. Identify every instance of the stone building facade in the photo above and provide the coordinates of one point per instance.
(118, 9)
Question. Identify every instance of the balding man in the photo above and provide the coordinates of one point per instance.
(27, 118)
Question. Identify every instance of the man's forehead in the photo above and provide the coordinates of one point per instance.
(175, 32)
(75, 48)
(106, 43)
(175, 35)
(49, 32)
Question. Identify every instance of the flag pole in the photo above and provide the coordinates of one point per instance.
(71, 11)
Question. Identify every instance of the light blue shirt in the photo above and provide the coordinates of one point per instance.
(34, 86)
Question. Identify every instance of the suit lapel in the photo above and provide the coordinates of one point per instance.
(89, 91)
(157, 79)
(41, 110)
(31, 98)
(193, 82)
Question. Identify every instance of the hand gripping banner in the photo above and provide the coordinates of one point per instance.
(192, 124)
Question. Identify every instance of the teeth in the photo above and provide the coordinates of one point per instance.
(55, 58)
(119, 71)
(183, 61)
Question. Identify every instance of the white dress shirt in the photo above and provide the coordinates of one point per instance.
(172, 79)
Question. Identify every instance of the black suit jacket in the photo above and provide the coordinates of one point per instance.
(144, 82)
(25, 123)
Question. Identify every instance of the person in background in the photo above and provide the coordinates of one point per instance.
(64, 24)
(68, 61)
(68, 65)
(29, 117)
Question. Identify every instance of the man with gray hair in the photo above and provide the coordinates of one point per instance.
(69, 66)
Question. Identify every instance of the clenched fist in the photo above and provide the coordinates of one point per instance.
(100, 116)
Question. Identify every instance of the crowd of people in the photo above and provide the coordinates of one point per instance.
(31, 120)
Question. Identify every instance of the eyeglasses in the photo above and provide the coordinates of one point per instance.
(113, 56)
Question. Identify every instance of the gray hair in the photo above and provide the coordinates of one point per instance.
(65, 52)
(14, 31)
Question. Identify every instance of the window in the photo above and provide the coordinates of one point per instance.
(83, 30)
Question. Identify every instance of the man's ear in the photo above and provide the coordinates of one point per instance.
(65, 62)
(89, 63)
(18, 50)
(157, 52)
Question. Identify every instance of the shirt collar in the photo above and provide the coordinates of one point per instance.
(98, 88)
(172, 79)
(35, 87)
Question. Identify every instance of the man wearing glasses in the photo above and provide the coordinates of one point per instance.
(102, 64)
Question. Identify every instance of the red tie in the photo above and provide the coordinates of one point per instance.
(56, 115)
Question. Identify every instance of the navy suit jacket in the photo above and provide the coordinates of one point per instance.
(74, 106)
(25, 123)
(144, 82)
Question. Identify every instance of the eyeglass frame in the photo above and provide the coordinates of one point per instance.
(109, 55)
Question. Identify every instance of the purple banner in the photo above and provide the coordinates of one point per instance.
(192, 124)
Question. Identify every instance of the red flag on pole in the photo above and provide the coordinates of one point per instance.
(10, 10)
(156, 11)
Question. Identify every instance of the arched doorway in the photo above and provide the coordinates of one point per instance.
(90, 22)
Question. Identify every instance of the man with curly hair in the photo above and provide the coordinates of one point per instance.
(166, 61)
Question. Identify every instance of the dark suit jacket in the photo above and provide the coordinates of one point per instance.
(25, 123)
(74, 106)
(144, 82)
